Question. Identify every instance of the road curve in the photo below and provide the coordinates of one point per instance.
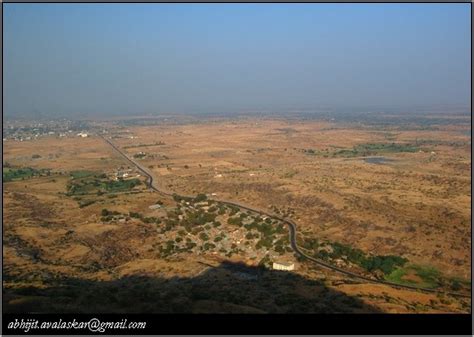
(289, 222)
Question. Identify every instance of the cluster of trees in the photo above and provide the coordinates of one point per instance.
(266, 228)
(108, 215)
(168, 249)
(10, 174)
(171, 247)
(233, 210)
(84, 183)
(235, 221)
(179, 198)
(250, 236)
(199, 218)
(311, 244)
(375, 148)
(385, 263)
(281, 245)
(121, 185)
(266, 241)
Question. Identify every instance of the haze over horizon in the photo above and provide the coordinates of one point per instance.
(81, 59)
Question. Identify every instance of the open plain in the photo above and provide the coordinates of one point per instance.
(390, 201)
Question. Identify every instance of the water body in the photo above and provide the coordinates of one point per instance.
(377, 160)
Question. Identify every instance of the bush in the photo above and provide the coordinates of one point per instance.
(235, 222)
(83, 204)
(265, 242)
(135, 215)
(456, 285)
(208, 246)
(212, 209)
(200, 197)
(279, 249)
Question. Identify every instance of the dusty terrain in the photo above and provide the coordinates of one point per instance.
(407, 196)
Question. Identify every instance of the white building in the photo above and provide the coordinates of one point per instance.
(122, 174)
(283, 266)
(82, 134)
(156, 206)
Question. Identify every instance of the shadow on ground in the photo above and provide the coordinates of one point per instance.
(227, 288)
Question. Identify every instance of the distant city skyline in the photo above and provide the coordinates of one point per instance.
(114, 59)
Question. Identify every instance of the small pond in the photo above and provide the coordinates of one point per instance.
(377, 160)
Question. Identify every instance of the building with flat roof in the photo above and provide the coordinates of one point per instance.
(283, 266)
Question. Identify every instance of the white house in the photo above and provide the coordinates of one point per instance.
(283, 266)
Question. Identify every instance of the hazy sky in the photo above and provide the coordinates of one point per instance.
(147, 58)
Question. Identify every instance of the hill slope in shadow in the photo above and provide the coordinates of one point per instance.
(227, 288)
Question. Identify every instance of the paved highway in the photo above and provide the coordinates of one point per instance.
(289, 222)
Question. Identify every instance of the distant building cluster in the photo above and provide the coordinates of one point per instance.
(33, 130)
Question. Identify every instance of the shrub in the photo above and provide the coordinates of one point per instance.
(208, 246)
(200, 197)
(135, 215)
(83, 204)
(235, 222)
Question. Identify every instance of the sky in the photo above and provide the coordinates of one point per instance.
(135, 59)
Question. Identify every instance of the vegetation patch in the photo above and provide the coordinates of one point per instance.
(416, 275)
(335, 250)
(85, 182)
(371, 149)
(82, 174)
(11, 174)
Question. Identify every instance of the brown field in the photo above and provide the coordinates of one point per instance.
(415, 205)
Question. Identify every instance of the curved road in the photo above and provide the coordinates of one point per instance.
(291, 226)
